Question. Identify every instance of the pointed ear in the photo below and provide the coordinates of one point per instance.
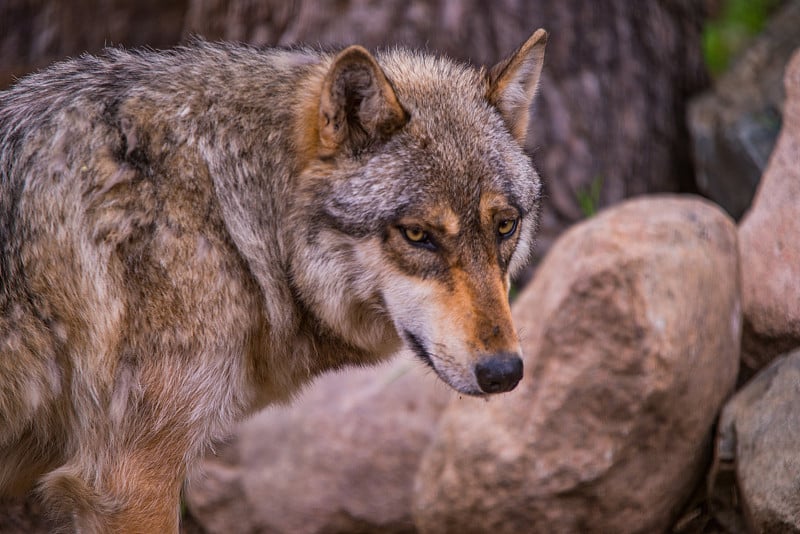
(358, 105)
(513, 83)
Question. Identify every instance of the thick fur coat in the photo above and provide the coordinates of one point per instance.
(187, 236)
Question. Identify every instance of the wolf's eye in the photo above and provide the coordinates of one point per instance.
(506, 228)
(417, 236)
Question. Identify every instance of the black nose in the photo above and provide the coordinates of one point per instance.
(499, 373)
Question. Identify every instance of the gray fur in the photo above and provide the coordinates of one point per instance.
(174, 254)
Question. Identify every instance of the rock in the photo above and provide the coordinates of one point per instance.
(734, 126)
(759, 431)
(769, 237)
(341, 458)
(630, 330)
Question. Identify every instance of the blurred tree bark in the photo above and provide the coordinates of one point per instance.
(612, 105)
(35, 33)
(611, 110)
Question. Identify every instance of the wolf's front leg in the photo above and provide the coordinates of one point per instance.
(138, 493)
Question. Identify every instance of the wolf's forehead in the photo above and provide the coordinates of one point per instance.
(432, 88)
(457, 140)
(469, 190)
(455, 146)
(463, 164)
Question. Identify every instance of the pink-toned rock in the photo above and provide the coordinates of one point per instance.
(341, 458)
(631, 331)
(769, 238)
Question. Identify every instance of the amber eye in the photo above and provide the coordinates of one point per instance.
(506, 228)
(415, 235)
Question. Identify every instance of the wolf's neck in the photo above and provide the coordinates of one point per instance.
(253, 162)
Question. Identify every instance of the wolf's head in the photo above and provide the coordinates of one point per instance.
(418, 205)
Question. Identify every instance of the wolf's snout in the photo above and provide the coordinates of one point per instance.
(499, 373)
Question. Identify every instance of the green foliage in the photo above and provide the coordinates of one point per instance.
(589, 197)
(725, 35)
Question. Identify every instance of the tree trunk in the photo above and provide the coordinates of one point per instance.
(35, 33)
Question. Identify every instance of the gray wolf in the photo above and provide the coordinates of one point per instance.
(187, 236)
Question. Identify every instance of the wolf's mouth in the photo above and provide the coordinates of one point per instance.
(419, 349)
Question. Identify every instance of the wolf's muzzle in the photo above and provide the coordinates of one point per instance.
(499, 373)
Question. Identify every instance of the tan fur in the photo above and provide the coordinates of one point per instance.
(355, 72)
(186, 237)
(515, 81)
(308, 142)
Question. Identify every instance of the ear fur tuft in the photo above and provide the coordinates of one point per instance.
(513, 83)
(358, 105)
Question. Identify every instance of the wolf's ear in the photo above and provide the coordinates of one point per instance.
(358, 104)
(513, 83)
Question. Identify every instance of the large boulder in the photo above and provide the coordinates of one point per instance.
(341, 458)
(769, 238)
(759, 433)
(631, 330)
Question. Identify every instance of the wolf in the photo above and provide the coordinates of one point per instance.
(189, 235)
